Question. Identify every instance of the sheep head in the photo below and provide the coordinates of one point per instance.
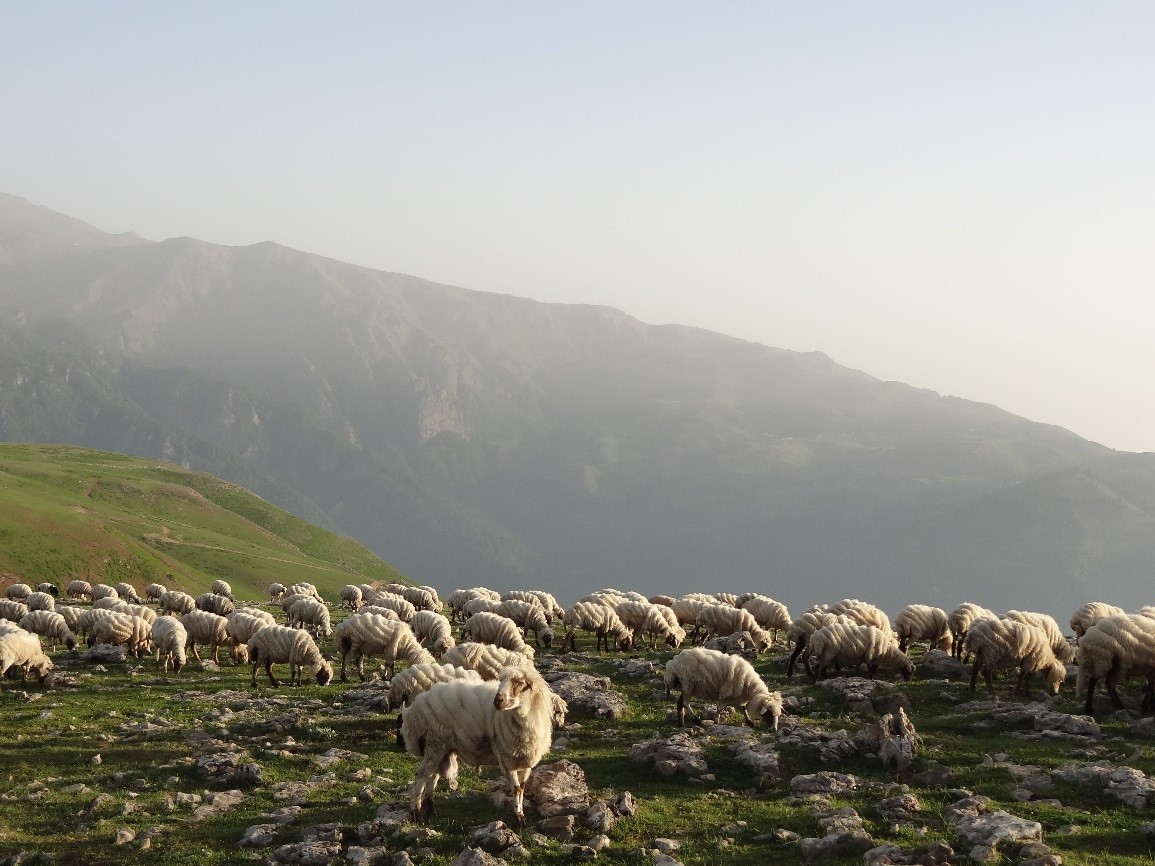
(512, 684)
(769, 707)
(324, 673)
(1054, 675)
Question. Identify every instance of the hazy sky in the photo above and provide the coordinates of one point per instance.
(958, 196)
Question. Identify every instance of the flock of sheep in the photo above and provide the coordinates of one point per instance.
(482, 700)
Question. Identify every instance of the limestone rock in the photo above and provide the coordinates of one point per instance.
(591, 692)
(823, 783)
(259, 836)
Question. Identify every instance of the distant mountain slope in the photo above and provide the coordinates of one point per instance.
(475, 437)
(72, 512)
(32, 233)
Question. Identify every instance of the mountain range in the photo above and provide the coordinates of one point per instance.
(471, 437)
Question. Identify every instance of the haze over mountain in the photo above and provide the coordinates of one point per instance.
(474, 437)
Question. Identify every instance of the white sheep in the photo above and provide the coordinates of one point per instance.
(481, 604)
(387, 612)
(351, 597)
(495, 629)
(727, 598)
(13, 610)
(485, 658)
(21, 649)
(507, 723)
(727, 679)
(87, 621)
(368, 634)
(122, 629)
(1091, 613)
(686, 609)
(276, 590)
(205, 628)
(395, 603)
(1115, 647)
(18, 591)
(922, 622)
(549, 604)
(598, 618)
(433, 630)
(153, 591)
(771, 615)
(240, 625)
(80, 589)
(663, 600)
(530, 616)
(277, 644)
(120, 606)
(213, 602)
(221, 587)
(127, 592)
(960, 620)
(169, 639)
(103, 590)
(51, 625)
(71, 613)
(176, 602)
(862, 612)
(1060, 646)
(422, 598)
(417, 679)
(459, 597)
(40, 601)
(1008, 643)
(843, 643)
(725, 619)
(652, 621)
(310, 614)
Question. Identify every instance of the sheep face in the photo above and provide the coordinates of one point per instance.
(41, 667)
(546, 638)
(324, 674)
(908, 670)
(769, 709)
(510, 689)
(70, 642)
(1054, 675)
(625, 643)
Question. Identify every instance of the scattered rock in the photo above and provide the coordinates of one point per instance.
(307, 853)
(259, 836)
(677, 753)
(493, 837)
(594, 693)
(1131, 786)
(823, 783)
(978, 827)
(125, 835)
(558, 827)
(737, 644)
(477, 857)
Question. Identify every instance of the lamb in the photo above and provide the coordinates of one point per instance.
(851, 644)
(176, 602)
(1117, 646)
(598, 618)
(727, 679)
(1091, 613)
(206, 628)
(79, 589)
(20, 648)
(122, 629)
(396, 603)
(154, 591)
(722, 619)
(549, 604)
(18, 591)
(921, 622)
(960, 621)
(13, 610)
(368, 634)
(40, 601)
(771, 615)
(103, 590)
(169, 639)
(240, 625)
(309, 613)
(508, 723)
(127, 592)
(351, 597)
(221, 587)
(1005, 643)
(433, 630)
(495, 629)
(1063, 651)
(51, 625)
(276, 644)
(214, 603)
(485, 658)
(530, 616)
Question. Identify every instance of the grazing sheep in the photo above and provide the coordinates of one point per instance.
(387, 612)
(727, 679)
(434, 631)
(277, 644)
(21, 649)
(495, 629)
(310, 614)
(103, 590)
(862, 612)
(508, 723)
(214, 603)
(724, 619)
(368, 634)
(653, 621)
(1091, 613)
(598, 618)
(276, 590)
(40, 601)
(485, 658)
(80, 590)
(772, 616)
(154, 591)
(51, 625)
(127, 592)
(530, 616)
(87, 620)
(921, 622)
(686, 610)
(122, 629)
(13, 610)
(1115, 647)
(727, 598)
(351, 597)
(1007, 643)
(116, 604)
(18, 591)
(240, 625)
(852, 644)
(1062, 649)
(479, 605)
(206, 628)
(416, 680)
(71, 614)
(422, 598)
(460, 597)
(176, 602)
(51, 588)
(395, 603)
(549, 604)
(169, 639)
(960, 620)
(221, 587)
(663, 600)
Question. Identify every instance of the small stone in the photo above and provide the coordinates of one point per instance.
(125, 835)
(97, 760)
(599, 842)
(982, 854)
(667, 846)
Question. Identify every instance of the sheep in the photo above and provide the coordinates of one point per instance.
(663, 600)
(723, 619)
(495, 629)
(49, 587)
(40, 601)
(222, 588)
(309, 613)
(80, 590)
(862, 612)
(259, 613)
(643, 618)
(351, 597)
(302, 587)
(508, 723)
(598, 618)
(1006, 643)
(730, 680)
(530, 616)
(422, 598)
(214, 603)
(417, 679)
(71, 614)
(18, 591)
(103, 590)
(960, 620)
(115, 604)
(87, 621)
(479, 605)
(459, 597)
(851, 644)
(276, 590)
(169, 639)
(122, 629)
(687, 610)
(20, 648)
(771, 615)
(921, 622)
(433, 630)
(368, 634)
(1091, 613)
(485, 658)
(154, 591)
(1117, 646)
(549, 604)
(396, 603)
(240, 625)
(1063, 650)
(176, 602)
(387, 612)
(49, 624)
(208, 629)
(13, 610)
(127, 592)
(394, 588)
(276, 644)
(727, 598)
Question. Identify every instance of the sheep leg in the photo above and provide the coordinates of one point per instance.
(682, 707)
(989, 678)
(400, 738)
(1089, 707)
(1110, 682)
(344, 658)
(517, 779)
(903, 644)
(195, 652)
(269, 672)
(975, 672)
(746, 713)
(794, 656)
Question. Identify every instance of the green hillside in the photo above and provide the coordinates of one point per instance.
(73, 512)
